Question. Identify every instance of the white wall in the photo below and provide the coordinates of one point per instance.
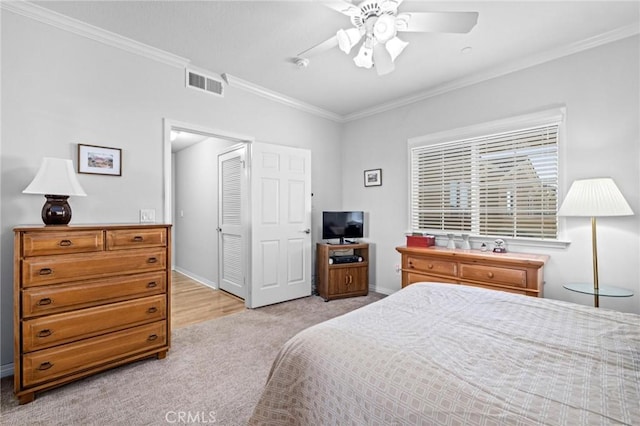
(60, 89)
(600, 88)
(196, 210)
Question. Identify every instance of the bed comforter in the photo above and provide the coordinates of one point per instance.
(456, 355)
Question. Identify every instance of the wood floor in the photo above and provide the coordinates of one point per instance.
(192, 302)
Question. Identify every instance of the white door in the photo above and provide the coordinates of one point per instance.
(233, 200)
(280, 224)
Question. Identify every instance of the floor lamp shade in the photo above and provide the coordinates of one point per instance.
(594, 198)
(57, 181)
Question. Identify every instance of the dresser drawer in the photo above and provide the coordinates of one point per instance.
(45, 270)
(43, 300)
(48, 243)
(57, 329)
(494, 275)
(416, 278)
(124, 239)
(431, 266)
(49, 364)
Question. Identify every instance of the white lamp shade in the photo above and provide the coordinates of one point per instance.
(395, 46)
(364, 59)
(594, 198)
(348, 38)
(55, 177)
(385, 28)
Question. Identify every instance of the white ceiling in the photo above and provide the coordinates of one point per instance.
(257, 41)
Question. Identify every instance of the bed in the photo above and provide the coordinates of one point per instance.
(449, 354)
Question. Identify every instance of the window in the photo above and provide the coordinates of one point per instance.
(501, 183)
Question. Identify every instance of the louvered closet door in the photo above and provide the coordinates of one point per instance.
(232, 225)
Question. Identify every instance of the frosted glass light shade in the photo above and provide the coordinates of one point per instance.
(594, 198)
(56, 177)
(348, 38)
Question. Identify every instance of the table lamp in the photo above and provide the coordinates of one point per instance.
(594, 198)
(56, 180)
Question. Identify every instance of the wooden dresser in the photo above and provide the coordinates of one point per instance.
(87, 298)
(513, 272)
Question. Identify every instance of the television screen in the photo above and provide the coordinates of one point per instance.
(342, 225)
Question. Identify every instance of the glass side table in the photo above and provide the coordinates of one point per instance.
(603, 290)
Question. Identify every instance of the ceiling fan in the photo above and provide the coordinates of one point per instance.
(378, 22)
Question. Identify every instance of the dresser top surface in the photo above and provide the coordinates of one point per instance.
(474, 254)
(88, 226)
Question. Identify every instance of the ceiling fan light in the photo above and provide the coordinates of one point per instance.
(364, 59)
(348, 38)
(385, 28)
(395, 46)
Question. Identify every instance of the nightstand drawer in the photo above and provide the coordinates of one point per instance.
(48, 364)
(48, 243)
(65, 297)
(45, 270)
(431, 266)
(495, 275)
(140, 238)
(57, 329)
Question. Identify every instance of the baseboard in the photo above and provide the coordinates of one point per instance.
(195, 277)
(6, 370)
(382, 290)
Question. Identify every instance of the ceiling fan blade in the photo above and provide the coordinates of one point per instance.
(382, 59)
(319, 48)
(437, 22)
(390, 5)
(343, 7)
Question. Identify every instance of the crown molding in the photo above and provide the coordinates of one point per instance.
(510, 67)
(239, 83)
(75, 26)
(66, 23)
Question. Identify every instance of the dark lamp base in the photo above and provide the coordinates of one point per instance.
(56, 211)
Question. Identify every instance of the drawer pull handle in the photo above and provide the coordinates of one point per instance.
(45, 301)
(138, 239)
(152, 284)
(430, 266)
(152, 310)
(410, 265)
(152, 337)
(490, 274)
(45, 366)
(152, 260)
(46, 271)
(65, 243)
(45, 333)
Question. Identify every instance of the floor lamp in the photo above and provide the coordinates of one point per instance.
(594, 198)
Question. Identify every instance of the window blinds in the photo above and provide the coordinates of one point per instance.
(499, 185)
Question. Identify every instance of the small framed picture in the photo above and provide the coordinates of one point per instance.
(99, 160)
(373, 177)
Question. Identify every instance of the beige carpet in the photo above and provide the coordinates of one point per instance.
(213, 373)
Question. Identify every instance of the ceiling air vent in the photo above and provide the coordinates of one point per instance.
(201, 81)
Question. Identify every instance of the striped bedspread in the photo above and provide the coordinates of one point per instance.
(456, 355)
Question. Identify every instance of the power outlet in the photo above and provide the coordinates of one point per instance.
(147, 215)
(398, 268)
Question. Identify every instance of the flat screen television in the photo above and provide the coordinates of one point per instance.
(341, 225)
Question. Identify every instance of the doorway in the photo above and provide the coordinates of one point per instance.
(191, 201)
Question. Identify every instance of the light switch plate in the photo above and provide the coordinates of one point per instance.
(147, 215)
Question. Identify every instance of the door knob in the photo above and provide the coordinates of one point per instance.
(307, 231)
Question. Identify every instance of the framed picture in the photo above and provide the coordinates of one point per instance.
(373, 177)
(99, 160)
